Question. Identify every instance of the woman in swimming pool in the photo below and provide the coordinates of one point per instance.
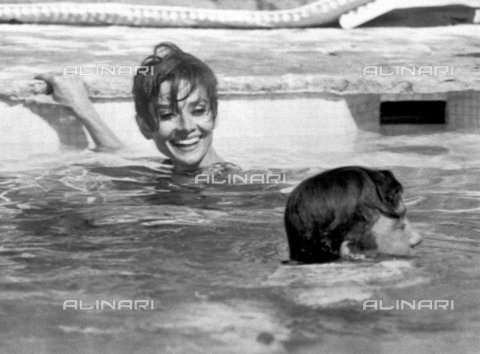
(176, 104)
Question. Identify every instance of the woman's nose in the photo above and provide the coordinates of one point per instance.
(186, 122)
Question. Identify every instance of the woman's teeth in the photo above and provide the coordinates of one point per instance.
(187, 142)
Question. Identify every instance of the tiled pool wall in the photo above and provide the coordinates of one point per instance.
(275, 114)
(462, 112)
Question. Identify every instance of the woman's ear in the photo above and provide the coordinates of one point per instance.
(144, 128)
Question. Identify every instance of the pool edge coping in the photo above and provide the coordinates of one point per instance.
(288, 84)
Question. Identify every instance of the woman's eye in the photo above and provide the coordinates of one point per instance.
(165, 116)
(199, 111)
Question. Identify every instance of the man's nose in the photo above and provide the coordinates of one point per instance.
(401, 208)
(414, 237)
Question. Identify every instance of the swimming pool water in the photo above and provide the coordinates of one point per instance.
(91, 226)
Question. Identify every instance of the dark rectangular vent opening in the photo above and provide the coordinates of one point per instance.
(413, 112)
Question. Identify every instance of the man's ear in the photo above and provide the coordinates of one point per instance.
(144, 128)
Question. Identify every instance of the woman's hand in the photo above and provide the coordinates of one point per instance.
(72, 92)
(67, 90)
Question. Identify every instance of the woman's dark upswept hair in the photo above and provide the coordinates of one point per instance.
(169, 63)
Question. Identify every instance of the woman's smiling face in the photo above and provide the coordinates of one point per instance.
(185, 135)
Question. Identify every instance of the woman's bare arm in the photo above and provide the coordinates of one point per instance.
(71, 92)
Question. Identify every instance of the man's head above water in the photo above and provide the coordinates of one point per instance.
(348, 212)
(176, 104)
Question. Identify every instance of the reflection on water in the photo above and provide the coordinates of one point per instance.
(96, 227)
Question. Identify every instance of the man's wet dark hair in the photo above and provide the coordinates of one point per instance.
(339, 205)
(169, 63)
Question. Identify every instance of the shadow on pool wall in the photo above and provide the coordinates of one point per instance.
(264, 119)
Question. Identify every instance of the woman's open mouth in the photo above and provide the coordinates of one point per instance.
(186, 144)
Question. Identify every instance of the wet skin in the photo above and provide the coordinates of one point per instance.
(184, 136)
(395, 236)
(391, 236)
